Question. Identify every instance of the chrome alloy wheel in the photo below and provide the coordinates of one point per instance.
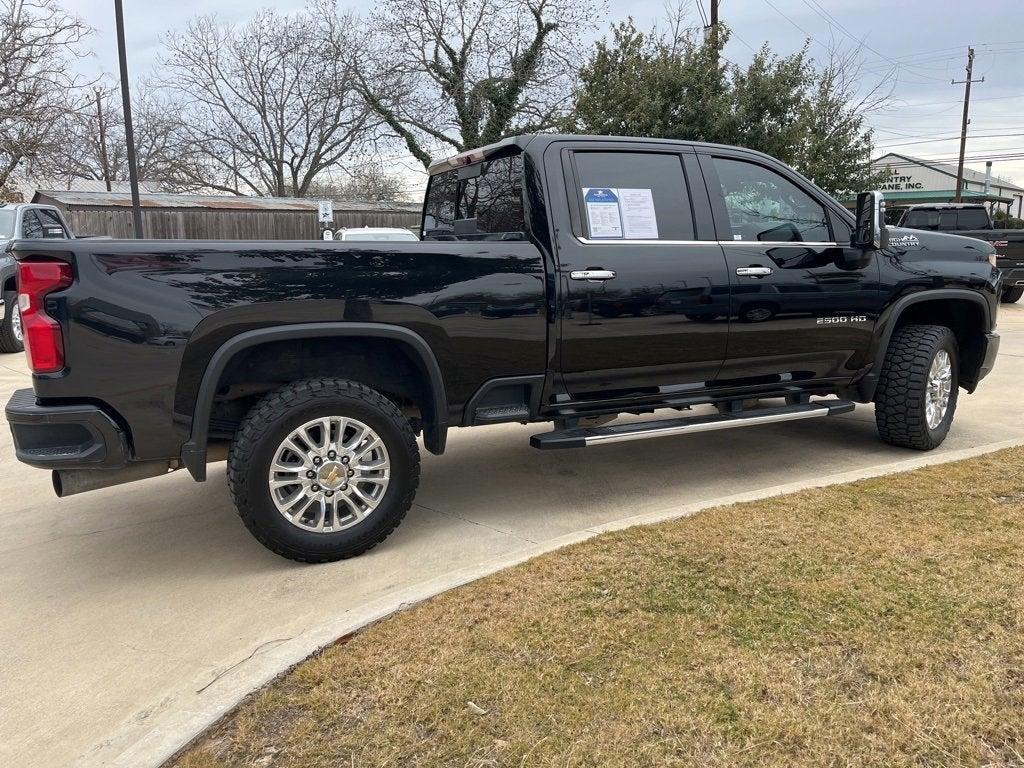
(16, 323)
(329, 474)
(939, 388)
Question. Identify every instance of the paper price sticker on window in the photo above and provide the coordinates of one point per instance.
(615, 214)
(638, 217)
(603, 212)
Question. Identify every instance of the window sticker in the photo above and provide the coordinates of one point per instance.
(603, 212)
(638, 217)
(615, 213)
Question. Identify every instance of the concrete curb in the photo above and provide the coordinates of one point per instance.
(151, 739)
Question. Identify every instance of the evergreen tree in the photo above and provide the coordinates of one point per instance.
(680, 86)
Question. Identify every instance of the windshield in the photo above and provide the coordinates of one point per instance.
(365, 237)
(973, 218)
(947, 219)
(7, 217)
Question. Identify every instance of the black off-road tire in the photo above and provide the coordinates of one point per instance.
(901, 395)
(1012, 294)
(283, 410)
(8, 341)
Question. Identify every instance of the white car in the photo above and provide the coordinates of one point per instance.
(375, 235)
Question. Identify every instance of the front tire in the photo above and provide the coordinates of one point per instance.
(1012, 294)
(917, 390)
(11, 338)
(323, 469)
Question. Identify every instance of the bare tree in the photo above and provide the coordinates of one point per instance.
(454, 74)
(89, 141)
(38, 41)
(261, 108)
(364, 182)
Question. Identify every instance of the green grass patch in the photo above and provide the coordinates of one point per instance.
(875, 623)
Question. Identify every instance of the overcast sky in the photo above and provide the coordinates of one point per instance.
(926, 40)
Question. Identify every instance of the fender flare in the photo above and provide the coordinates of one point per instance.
(435, 428)
(887, 325)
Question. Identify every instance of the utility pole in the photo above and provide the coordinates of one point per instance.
(104, 159)
(963, 127)
(129, 134)
(714, 15)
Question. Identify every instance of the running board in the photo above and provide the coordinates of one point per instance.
(616, 433)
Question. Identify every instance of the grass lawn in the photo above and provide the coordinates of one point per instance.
(879, 623)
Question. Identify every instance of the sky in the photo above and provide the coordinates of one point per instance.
(923, 42)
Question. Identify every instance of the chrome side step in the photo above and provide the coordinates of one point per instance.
(583, 437)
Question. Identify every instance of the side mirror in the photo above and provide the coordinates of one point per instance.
(870, 231)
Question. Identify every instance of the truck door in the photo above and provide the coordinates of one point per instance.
(644, 297)
(804, 303)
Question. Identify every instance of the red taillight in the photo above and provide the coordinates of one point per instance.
(44, 344)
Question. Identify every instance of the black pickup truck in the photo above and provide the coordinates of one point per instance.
(973, 220)
(560, 279)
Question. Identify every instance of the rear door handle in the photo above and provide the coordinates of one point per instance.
(592, 275)
(753, 271)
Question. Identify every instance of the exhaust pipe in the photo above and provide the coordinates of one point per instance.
(68, 482)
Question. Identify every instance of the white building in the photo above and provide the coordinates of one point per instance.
(912, 180)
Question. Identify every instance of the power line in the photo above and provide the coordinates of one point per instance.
(703, 15)
(787, 18)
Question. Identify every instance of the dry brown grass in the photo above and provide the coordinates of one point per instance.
(877, 623)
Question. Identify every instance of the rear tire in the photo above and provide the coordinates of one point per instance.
(10, 326)
(1012, 294)
(333, 517)
(917, 390)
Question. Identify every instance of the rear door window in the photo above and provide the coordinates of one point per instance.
(483, 202)
(633, 196)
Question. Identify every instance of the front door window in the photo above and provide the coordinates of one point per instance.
(766, 207)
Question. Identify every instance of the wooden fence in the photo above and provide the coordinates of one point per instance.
(197, 223)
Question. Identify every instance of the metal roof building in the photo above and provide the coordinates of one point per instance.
(912, 180)
(218, 217)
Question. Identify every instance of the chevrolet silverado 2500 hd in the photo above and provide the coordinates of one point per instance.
(560, 279)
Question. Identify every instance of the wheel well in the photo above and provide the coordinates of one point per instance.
(10, 284)
(382, 364)
(967, 321)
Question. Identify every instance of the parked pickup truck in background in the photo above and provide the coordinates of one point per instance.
(560, 279)
(973, 220)
(18, 222)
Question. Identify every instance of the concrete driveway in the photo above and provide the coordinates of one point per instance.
(132, 616)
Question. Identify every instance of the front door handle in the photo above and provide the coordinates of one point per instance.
(592, 275)
(753, 271)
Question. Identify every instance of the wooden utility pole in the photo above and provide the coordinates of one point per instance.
(966, 120)
(104, 159)
(714, 15)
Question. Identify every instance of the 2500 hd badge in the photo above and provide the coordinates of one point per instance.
(842, 319)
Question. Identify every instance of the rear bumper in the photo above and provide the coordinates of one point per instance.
(80, 436)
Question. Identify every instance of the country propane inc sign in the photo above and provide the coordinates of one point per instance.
(899, 180)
